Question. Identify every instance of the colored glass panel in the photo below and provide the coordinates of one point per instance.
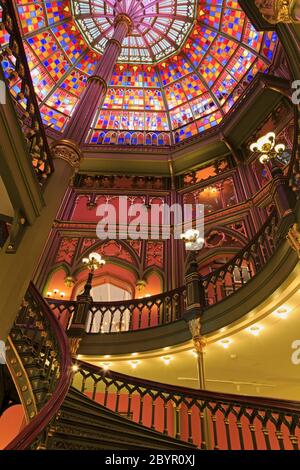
(197, 70)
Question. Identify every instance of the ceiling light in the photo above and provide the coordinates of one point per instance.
(282, 313)
(106, 365)
(225, 343)
(167, 360)
(134, 364)
(75, 367)
(255, 330)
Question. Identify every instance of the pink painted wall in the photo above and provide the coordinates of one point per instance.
(11, 423)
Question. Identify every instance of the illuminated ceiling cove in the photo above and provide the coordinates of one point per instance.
(160, 101)
(159, 27)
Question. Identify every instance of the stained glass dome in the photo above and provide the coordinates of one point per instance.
(157, 100)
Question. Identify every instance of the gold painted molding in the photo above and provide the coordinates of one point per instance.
(293, 238)
(199, 341)
(68, 151)
(21, 381)
(279, 11)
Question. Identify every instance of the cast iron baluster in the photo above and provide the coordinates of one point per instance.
(177, 422)
(140, 420)
(190, 431)
(94, 390)
(106, 395)
(165, 416)
(83, 384)
(117, 401)
(102, 316)
(140, 313)
(121, 321)
(129, 405)
(202, 425)
(149, 314)
(253, 436)
(153, 409)
(111, 323)
(215, 432)
(278, 433)
(228, 439)
(240, 432)
(292, 427)
(266, 433)
(92, 319)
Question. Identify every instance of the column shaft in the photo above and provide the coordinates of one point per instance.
(96, 89)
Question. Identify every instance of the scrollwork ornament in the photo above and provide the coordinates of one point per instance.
(279, 11)
(293, 238)
(68, 151)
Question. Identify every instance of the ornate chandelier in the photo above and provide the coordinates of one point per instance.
(268, 148)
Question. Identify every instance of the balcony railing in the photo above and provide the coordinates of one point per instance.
(234, 422)
(243, 267)
(129, 315)
(18, 80)
(169, 307)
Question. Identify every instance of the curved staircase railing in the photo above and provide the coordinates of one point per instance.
(168, 307)
(234, 422)
(244, 266)
(44, 351)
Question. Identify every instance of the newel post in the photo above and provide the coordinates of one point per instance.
(194, 289)
(80, 317)
(79, 322)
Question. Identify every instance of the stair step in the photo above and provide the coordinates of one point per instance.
(84, 424)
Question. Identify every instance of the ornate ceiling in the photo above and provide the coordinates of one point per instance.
(160, 101)
(159, 27)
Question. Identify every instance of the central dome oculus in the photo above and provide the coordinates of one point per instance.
(159, 28)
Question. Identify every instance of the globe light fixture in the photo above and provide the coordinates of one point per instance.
(267, 148)
(192, 239)
(93, 262)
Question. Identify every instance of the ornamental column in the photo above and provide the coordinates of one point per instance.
(16, 269)
(200, 345)
(97, 84)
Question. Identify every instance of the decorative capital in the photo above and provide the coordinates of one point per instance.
(122, 18)
(74, 344)
(200, 344)
(293, 238)
(68, 151)
(279, 11)
(198, 340)
(99, 80)
(115, 42)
